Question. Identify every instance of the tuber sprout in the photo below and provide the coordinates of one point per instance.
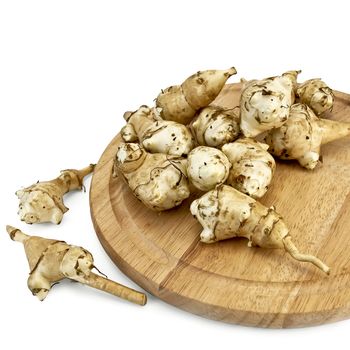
(215, 126)
(225, 213)
(181, 102)
(50, 261)
(265, 103)
(43, 201)
(207, 167)
(252, 166)
(303, 134)
(158, 180)
(157, 135)
(317, 95)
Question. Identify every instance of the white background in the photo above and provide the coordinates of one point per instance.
(68, 71)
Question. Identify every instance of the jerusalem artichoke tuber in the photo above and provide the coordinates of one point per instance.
(303, 134)
(225, 213)
(157, 136)
(181, 102)
(317, 95)
(43, 201)
(207, 167)
(214, 126)
(50, 261)
(265, 103)
(158, 180)
(252, 166)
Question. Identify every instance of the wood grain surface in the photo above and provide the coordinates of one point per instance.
(228, 281)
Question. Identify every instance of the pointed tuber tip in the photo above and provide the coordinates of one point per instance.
(84, 172)
(231, 71)
(292, 73)
(16, 234)
(10, 229)
(333, 130)
(127, 115)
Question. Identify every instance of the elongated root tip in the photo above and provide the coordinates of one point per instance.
(293, 251)
(143, 300)
(16, 234)
(115, 288)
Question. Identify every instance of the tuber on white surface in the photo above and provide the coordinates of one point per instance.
(207, 167)
(43, 201)
(214, 126)
(265, 104)
(303, 134)
(226, 213)
(158, 180)
(50, 261)
(317, 95)
(157, 135)
(181, 102)
(252, 166)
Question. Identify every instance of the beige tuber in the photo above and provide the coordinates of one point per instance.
(50, 261)
(207, 167)
(252, 166)
(157, 135)
(265, 104)
(158, 180)
(225, 213)
(181, 102)
(214, 126)
(317, 95)
(303, 134)
(43, 201)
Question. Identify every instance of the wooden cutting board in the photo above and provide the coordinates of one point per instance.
(228, 281)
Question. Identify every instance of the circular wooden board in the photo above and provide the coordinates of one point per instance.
(228, 281)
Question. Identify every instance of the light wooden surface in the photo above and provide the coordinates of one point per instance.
(228, 281)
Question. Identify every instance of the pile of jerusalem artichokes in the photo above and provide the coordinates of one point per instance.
(183, 145)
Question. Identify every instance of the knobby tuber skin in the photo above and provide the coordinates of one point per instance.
(252, 166)
(303, 134)
(225, 213)
(207, 167)
(43, 201)
(157, 135)
(317, 95)
(214, 126)
(158, 180)
(50, 261)
(265, 104)
(181, 102)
